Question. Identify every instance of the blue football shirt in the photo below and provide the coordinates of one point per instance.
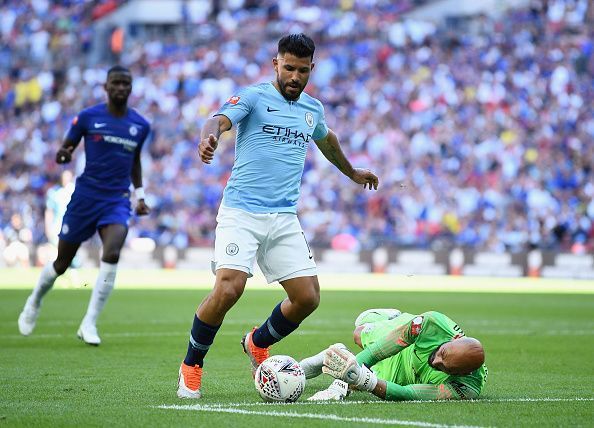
(273, 134)
(110, 146)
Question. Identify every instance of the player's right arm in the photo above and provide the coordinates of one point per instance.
(72, 139)
(233, 111)
(421, 392)
(209, 136)
(341, 364)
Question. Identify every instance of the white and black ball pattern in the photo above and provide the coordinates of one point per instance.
(280, 378)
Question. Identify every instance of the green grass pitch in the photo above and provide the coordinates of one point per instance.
(539, 350)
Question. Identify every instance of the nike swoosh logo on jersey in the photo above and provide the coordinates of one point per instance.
(100, 125)
(268, 109)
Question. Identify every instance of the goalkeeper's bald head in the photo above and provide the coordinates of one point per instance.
(458, 357)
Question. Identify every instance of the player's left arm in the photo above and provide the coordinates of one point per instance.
(330, 148)
(394, 342)
(450, 390)
(136, 176)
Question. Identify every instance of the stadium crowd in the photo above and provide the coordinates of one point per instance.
(481, 138)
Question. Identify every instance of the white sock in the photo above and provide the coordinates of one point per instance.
(101, 291)
(312, 366)
(44, 283)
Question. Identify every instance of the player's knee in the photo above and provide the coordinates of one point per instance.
(111, 256)
(309, 300)
(315, 301)
(229, 295)
(357, 336)
(228, 291)
(60, 266)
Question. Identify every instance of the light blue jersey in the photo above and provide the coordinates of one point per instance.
(272, 139)
(57, 200)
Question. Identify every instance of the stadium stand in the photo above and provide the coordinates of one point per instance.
(481, 129)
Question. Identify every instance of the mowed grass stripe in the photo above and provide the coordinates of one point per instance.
(297, 333)
(162, 279)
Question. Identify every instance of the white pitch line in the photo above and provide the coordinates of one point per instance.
(327, 417)
(373, 402)
(531, 400)
(477, 401)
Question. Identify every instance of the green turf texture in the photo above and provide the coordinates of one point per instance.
(537, 346)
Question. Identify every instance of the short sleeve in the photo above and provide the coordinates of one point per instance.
(239, 106)
(77, 129)
(321, 129)
(147, 132)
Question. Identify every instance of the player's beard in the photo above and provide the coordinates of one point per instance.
(284, 93)
(119, 102)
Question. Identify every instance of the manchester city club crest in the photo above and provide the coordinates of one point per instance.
(232, 249)
(309, 118)
(133, 130)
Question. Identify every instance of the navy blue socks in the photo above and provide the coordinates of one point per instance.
(201, 338)
(274, 329)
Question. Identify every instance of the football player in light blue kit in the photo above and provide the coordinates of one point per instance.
(114, 135)
(276, 122)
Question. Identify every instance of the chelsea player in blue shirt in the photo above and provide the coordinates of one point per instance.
(257, 218)
(114, 135)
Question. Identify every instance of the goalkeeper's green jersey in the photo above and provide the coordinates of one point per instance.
(414, 339)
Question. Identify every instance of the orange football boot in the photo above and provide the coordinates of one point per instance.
(189, 381)
(257, 355)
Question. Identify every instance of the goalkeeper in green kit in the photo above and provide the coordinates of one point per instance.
(404, 357)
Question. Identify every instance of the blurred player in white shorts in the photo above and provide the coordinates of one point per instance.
(276, 122)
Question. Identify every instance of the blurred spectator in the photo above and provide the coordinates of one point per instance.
(18, 251)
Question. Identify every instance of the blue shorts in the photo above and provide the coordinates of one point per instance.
(84, 215)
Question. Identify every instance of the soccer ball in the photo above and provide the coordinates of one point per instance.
(280, 378)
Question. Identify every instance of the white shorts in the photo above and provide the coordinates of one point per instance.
(275, 239)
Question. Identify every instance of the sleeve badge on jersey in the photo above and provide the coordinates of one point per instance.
(75, 120)
(416, 326)
(233, 100)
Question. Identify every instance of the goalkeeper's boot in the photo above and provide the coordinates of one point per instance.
(87, 332)
(189, 381)
(28, 317)
(257, 355)
(374, 315)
